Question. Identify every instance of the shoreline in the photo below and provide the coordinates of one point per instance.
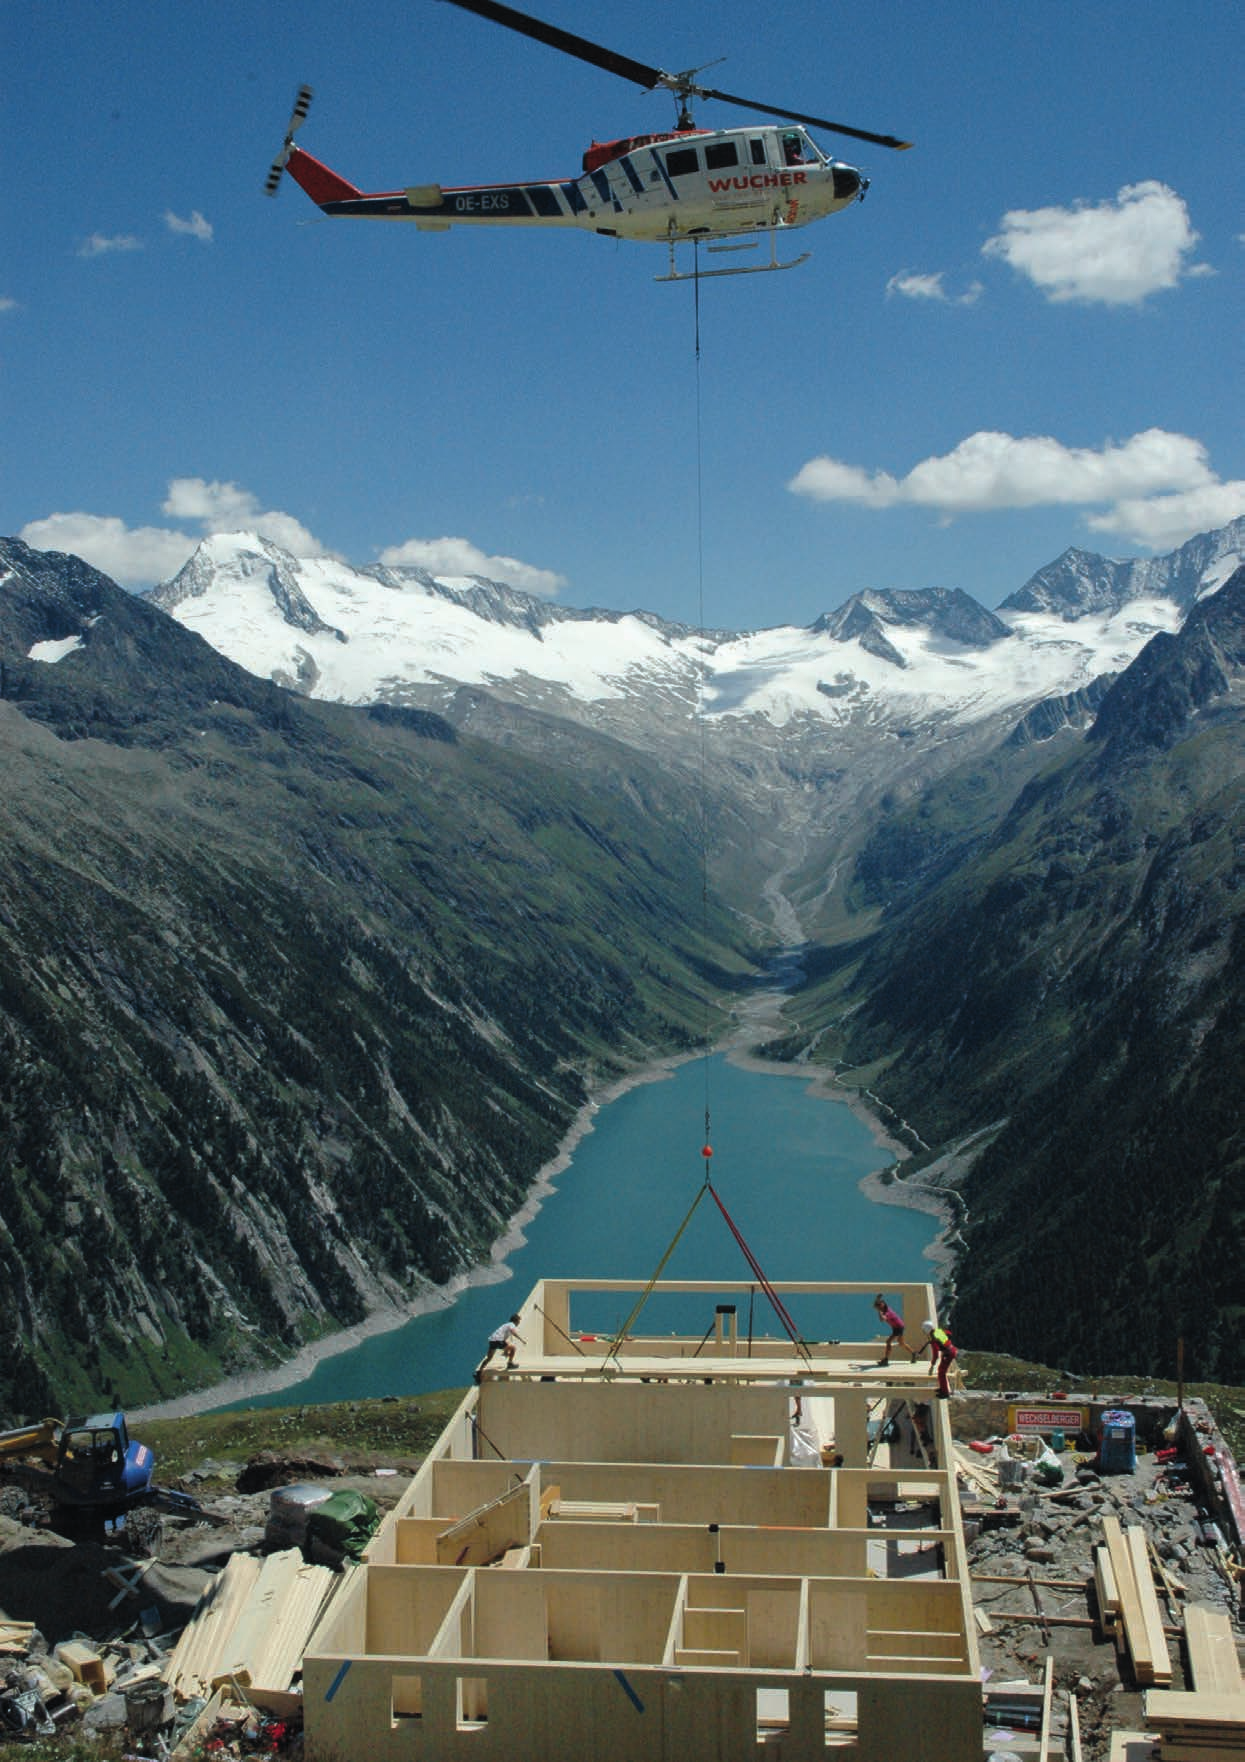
(884, 1186)
(495, 1271)
(756, 1022)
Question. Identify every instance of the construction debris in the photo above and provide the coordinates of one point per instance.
(1081, 1661)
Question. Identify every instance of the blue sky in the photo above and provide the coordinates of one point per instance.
(1028, 335)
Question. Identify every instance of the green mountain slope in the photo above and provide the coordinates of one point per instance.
(294, 999)
(1075, 971)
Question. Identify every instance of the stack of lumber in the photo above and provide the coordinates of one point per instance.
(251, 1627)
(15, 1637)
(1208, 1723)
(1128, 1601)
(1214, 1668)
(1196, 1727)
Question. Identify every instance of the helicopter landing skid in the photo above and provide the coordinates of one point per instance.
(699, 274)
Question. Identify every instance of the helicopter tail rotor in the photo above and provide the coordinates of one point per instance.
(302, 104)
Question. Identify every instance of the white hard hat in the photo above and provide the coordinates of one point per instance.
(928, 1326)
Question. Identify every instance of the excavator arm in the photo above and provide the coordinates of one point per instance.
(41, 1439)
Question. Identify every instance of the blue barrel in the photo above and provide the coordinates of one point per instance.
(1117, 1448)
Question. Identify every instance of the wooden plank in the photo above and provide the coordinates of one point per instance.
(484, 1534)
(1012, 1578)
(1074, 1729)
(696, 1655)
(237, 1660)
(1214, 1666)
(1132, 1616)
(1048, 1679)
(281, 1648)
(595, 1510)
(1108, 1590)
(1151, 1614)
(191, 1665)
(1164, 1707)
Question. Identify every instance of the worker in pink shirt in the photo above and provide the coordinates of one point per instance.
(894, 1322)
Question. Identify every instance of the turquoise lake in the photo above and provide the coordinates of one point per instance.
(786, 1165)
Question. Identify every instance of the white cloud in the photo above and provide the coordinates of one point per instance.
(6, 304)
(196, 227)
(227, 507)
(1163, 522)
(1116, 252)
(136, 556)
(1159, 486)
(458, 556)
(914, 286)
(139, 556)
(100, 244)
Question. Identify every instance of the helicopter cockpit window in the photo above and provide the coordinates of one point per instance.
(793, 149)
(721, 154)
(682, 161)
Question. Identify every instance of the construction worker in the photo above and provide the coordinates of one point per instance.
(502, 1339)
(894, 1322)
(942, 1355)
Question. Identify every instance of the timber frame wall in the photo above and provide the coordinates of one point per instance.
(611, 1555)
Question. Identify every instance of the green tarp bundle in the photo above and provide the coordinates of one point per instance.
(345, 1522)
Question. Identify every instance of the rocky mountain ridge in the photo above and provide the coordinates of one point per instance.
(277, 1043)
(1081, 581)
(1056, 971)
(810, 731)
(204, 874)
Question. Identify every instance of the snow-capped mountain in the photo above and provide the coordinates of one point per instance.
(362, 635)
(1080, 581)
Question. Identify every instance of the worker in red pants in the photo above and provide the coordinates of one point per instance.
(942, 1355)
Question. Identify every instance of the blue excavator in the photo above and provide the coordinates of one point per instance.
(90, 1464)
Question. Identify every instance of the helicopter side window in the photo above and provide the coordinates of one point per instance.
(792, 150)
(682, 162)
(757, 146)
(721, 155)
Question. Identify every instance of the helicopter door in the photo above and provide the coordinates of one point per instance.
(756, 150)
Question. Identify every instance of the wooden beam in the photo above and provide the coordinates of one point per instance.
(1044, 1729)
(1214, 1666)
(1151, 1614)
(1132, 1614)
(1074, 1729)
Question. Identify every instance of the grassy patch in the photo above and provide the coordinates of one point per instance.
(386, 1432)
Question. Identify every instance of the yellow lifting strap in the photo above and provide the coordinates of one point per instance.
(647, 1292)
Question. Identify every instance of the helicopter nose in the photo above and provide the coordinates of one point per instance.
(848, 183)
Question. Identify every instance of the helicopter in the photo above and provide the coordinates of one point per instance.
(686, 185)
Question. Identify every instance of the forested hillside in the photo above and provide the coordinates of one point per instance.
(294, 999)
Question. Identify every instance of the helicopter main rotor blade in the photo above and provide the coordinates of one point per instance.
(570, 44)
(837, 128)
(681, 84)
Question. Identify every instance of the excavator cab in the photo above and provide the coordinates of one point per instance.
(98, 1463)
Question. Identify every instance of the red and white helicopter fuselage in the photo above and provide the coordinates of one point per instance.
(691, 184)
